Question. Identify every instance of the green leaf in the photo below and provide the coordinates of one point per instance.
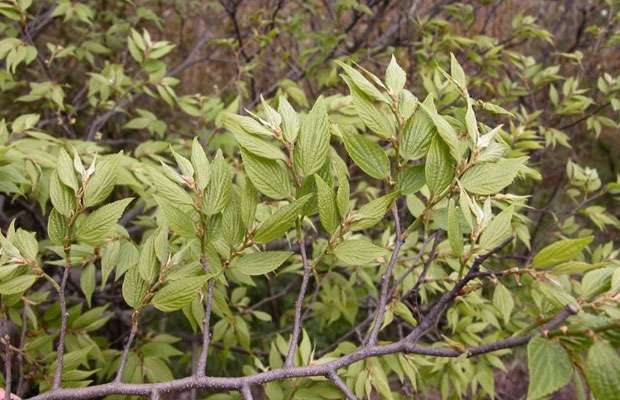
(326, 200)
(260, 263)
(361, 83)
(312, 144)
(65, 170)
(281, 221)
(88, 281)
(134, 288)
(259, 147)
(179, 219)
(372, 212)
(177, 294)
(148, 265)
(358, 252)
(367, 154)
(439, 167)
(455, 236)
(290, 120)
(248, 201)
(491, 178)
(220, 184)
(502, 299)
(201, 165)
(103, 180)
(603, 371)
(270, 177)
(378, 121)
(549, 367)
(239, 123)
(457, 73)
(411, 179)
(110, 256)
(395, 77)
(498, 230)
(445, 130)
(186, 167)
(61, 196)
(417, 135)
(18, 284)
(57, 228)
(97, 224)
(561, 251)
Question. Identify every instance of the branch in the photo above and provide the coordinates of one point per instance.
(246, 392)
(333, 376)
(374, 332)
(290, 356)
(60, 349)
(20, 355)
(7, 366)
(125, 354)
(201, 368)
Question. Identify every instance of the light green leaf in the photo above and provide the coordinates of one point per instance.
(378, 121)
(502, 299)
(57, 229)
(312, 144)
(372, 212)
(457, 73)
(363, 84)
(65, 170)
(455, 236)
(603, 371)
(103, 180)
(358, 252)
(134, 288)
(179, 219)
(367, 154)
(290, 120)
(260, 263)
(259, 147)
(97, 224)
(88, 281)
(220, 184)
(498, 230)
(561, 251)
(281, 221)
(61, 196)
(201, 165)
(326, 202)
(549, 367)
(148, 265)
(248, 200)
(18, 284)
(411, 179)
(491, 178)
(270, 177)
(417, 135)
(395, 77)
(177, 294)
(439, 167)
(110, 256)
(445, 130)
(239, 123)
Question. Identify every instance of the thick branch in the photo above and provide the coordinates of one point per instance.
(290, 356)
(246, 392)
(21, 383)
(239, 383)
(333, 376)
(385, 284)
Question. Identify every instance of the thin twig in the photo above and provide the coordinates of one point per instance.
(290, 356)
(64, 316)
(333, 376)
(21, 382)
(201, 369)
(385, 284)
(125, 354)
